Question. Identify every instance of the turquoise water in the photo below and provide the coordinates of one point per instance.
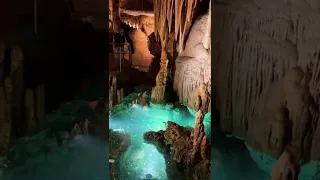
(141, 158)
(37, 157)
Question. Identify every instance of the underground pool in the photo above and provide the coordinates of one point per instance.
(142, 158)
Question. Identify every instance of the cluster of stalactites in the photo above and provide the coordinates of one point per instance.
(183, 11)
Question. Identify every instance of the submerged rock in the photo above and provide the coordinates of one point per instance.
(287, 167)
(186, 152)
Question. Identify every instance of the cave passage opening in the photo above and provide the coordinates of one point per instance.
(142, 158)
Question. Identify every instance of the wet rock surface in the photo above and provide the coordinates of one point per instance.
(118, 143)
(142, 99)
(283, 115)
(186, 152)
(287, 167)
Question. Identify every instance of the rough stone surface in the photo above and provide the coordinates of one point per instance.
(192, 79)
(183, 149)
(255, 45)
(282, 116)
(287, 167)
(30, 118)
(141, 99)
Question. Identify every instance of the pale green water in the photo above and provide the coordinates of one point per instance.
(141, 158)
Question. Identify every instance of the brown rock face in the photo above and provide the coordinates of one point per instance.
(141, 99)
(283, 116)
(287, 167)
(252, 53)
(184, 149)
(30, 112)
(115, 94)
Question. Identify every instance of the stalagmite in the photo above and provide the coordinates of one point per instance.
(121, 94)
(197, 135)
(40, 106)
(114, 85)
(6, 128)
(16, 75)
(118, 96)
(30, 112)
(3, 121)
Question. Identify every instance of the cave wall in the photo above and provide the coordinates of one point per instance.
(65, 58)
(142, 57)
(256, 46)
(192, 77)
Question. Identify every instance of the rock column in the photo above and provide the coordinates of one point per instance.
(16, 76)
(40, 110)
(30, 112)
(115, 94)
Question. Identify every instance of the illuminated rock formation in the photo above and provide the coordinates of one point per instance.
(262, 57)
(287, 167)
(283, 115)
(186, 152)
(192, 80)
(115, 94)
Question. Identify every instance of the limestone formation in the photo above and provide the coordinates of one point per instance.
(30, 118)
(192, 80)
(184, 149)
(287, 167)
(282, 116)
(40, 103)
(141, 99)
(3, 122)
(255, 45)
(115, 94)
(157, 93)
(5, 115)
(17, 78)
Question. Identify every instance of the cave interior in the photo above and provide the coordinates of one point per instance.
(166, 90)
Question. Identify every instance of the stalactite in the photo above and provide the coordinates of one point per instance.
(207, 36)
(183, 19)
(252, 53)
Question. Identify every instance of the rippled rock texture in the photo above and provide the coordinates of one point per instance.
(265, 63)
(192, 79)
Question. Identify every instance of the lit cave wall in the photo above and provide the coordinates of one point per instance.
(265, 77)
